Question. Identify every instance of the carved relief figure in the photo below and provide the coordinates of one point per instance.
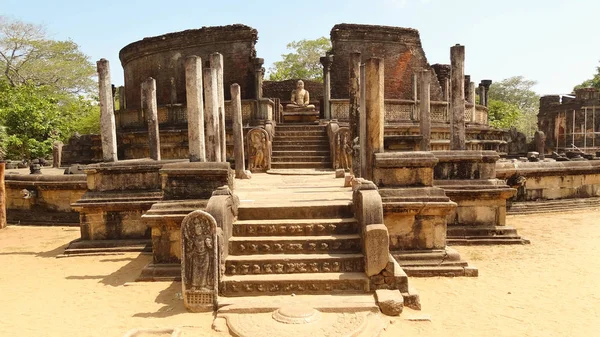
(199, 254)
(300, 97)
(258, 150)
(343, 149)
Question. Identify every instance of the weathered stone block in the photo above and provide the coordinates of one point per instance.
(376, 248)
(390, 302)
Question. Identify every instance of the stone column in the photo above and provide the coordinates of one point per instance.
(238, 133)
(486, 89)
(2, 197)
(216, 62)
(375, 111)
(354, 93)
(362, 122)
(457, 116)
(195, 108)
(108, 131)
(211, 115)
(425, 109)
(56, 153)
(259, 74)
(122, 101)
(151, 112)
(467, 82)
(173, 91)
(326, 61)
(471, 99)
(415, 85)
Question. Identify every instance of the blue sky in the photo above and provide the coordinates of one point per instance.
(550, 41)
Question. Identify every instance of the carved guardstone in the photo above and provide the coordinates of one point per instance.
(199, 262)
(259, 150)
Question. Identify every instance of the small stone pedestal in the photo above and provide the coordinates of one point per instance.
(300, 115)
(187, 187)
(415, 213)
(469, 179)
(118, 193)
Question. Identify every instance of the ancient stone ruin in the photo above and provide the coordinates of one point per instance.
(421, 166)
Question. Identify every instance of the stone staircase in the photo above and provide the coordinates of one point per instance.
(310, 248)
(300, 146)
(548, 206)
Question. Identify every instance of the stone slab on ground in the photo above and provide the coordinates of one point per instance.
(390, 302)
(323, 303)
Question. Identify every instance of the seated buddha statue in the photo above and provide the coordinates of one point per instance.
(300, 98)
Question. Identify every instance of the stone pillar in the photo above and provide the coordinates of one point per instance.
(375, 111)
(2, 197)
(425, 109)
(467, 82)
(457, 117)
(122, 101)
(354, 93)
(108, 131)
(259, 74)
(238, 133)
(195, 108)
(362, 122)
(173, 91)
(326, 61)
(56, 153)
(486, 89)
(216, 62)
(211, 115)
(471, 99)
(151, 112)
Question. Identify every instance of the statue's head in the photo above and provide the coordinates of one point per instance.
(300, 84)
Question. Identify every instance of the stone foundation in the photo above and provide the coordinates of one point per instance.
(469, 179)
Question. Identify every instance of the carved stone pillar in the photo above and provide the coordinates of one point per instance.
(151, 112)
(195, 108)
(259, 74)
(326, 61)
(211, 115)
(425, 110)
(2, 197)
(108, 131)
(486, 86)
(375, 111)
(457, 118)
(216, 62)
(362, 124)
(238, 133)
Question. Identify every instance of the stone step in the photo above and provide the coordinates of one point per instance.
(301, 153)
(469, 231)
(299, 127)
(301, 165)
(287, 284)
(301, 140)
(309, 210)
(478, 240)
(304, 159)
(303, 147)
(293, 264)
(429, 271)
(340, 243)
(300, 133)
(293, 227)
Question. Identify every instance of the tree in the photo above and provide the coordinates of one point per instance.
(593, 82)
(28, 56)
(516, 93)
(303, 62)
(45, 90)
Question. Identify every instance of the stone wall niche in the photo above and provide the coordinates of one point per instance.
(469, 179)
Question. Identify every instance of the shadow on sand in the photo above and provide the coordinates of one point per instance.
(172, 302)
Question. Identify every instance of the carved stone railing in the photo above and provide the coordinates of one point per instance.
(402, 110)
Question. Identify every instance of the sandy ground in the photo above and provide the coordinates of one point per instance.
(548, 288)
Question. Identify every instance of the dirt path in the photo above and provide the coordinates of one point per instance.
(548, 288)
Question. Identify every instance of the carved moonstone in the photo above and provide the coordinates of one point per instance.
(199, 261)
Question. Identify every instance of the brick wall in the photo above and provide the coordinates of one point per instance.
(400, 47)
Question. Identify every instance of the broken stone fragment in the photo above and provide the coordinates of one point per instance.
(390, 302)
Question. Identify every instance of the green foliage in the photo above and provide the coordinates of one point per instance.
(303, 62)
(34, 117)
(593, 82)
(521, 104)
(40, 85)
(503, 115)
(28, 56)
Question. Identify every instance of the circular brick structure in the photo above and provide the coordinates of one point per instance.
(162, 57)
